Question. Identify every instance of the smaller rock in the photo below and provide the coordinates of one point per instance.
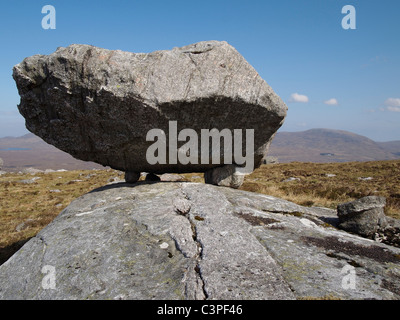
(164, 245)
(391, 233)
(132, 177)
(115, 180)
(24, 225)
(31, 170)
(291, 179)
(365, 178)
(29, 181)
(226, 176)
(74, 181)
(364, 216)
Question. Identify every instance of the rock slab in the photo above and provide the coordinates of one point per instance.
(202, 242)
(98, 105)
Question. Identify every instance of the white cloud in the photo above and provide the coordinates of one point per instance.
(392, 102)
(295, 97)
(393, 109)
(331, 102)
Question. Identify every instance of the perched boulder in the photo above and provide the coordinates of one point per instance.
(364, 216)
(99, 105)
(177, 240)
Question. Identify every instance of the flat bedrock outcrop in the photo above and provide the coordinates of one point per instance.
(180, 240)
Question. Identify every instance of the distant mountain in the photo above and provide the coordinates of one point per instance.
(31, 151)
(391, 146)
(315, 145)
(326, 145)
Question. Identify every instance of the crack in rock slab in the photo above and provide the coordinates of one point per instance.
(233, 265)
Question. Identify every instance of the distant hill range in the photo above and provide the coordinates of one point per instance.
(31, 151)
(325, 145)
(315, 145)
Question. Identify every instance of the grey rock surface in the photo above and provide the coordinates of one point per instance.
(98, 105)
(366, 217)
(171, 177)
(176, 240)
(363, 216)
(226, 176)
(1, 163)
(390, 234)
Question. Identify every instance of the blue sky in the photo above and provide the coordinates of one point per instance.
(328, 76)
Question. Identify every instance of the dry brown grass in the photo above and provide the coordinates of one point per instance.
(26, 208)
(315, 188)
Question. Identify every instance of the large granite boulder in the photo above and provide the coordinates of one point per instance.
(99, 105)
(173, 240)
(1, 163)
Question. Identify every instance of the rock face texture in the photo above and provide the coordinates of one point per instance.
(363, 216)
(1, 163)
(172, 240)
(98, 105)
(366, 217)
(224, 176)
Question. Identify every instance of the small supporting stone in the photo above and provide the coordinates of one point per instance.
(226, 176)
(132, 177)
